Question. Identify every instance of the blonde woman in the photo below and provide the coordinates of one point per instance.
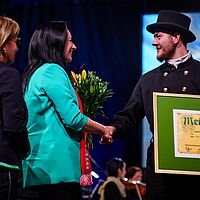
(14, 143)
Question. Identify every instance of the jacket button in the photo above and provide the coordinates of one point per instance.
(184, 89)
(186, 72)
(165, 89)
(165, 73)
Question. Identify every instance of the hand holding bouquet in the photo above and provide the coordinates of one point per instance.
(93, 92)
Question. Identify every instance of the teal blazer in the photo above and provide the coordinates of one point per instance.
(54, 125)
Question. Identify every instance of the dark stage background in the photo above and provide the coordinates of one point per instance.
(108, 37)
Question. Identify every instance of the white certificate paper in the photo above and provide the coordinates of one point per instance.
(186, 133)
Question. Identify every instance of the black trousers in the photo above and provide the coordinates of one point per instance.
(8, 184)
(61, 191)
(169, 186)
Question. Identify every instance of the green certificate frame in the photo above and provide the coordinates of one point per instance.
(166, 160)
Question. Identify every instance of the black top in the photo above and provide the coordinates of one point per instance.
(14, 143)
(112, 192)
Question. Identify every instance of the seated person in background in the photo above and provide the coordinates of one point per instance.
(135, 188)
(113, 188)
(134, 174)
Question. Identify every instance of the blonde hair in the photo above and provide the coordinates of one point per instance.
(8, 29)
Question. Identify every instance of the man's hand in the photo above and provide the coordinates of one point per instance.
(107, 137)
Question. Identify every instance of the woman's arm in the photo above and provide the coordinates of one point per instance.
(95, 127)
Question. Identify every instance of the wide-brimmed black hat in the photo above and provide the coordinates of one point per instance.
(174, 22)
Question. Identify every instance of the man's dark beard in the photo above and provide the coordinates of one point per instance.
(167, 55)
(160, 59)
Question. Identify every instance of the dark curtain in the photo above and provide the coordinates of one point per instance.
(107, 34)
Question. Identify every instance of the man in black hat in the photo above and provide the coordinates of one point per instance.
(179, 74)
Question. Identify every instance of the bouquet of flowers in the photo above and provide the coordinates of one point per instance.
(93, 91)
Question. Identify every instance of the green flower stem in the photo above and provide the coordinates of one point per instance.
(93, 92)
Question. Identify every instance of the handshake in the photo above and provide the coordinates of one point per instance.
(107, 137)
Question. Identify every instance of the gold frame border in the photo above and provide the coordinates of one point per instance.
(157, 170)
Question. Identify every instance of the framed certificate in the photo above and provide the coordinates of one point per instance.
(176, 133)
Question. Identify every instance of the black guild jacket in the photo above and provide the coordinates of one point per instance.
(166, 78)
(14, 144)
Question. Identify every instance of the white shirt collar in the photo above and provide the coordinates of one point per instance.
(182, 59)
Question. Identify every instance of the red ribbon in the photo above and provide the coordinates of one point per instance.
(86, 168)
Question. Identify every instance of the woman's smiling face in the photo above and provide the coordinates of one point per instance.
(69, 47)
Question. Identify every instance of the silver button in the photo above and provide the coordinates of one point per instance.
(184, 89)
(186, 72)
(165, 73)
(165, 89)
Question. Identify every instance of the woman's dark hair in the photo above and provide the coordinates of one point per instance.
(47, 45)
(113, 165)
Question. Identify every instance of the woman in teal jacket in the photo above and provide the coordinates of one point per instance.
(54, 120)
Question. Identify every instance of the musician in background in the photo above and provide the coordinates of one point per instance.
(113, 187)
(135, 188)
